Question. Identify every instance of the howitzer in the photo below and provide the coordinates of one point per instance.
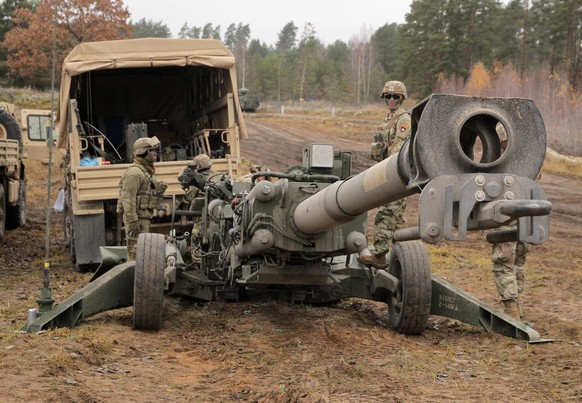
(298, 236)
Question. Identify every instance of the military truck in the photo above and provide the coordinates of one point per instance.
(248, 102)
(183, 91)
(12, 175)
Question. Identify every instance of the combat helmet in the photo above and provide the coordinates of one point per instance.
(144, 144)
(394, 87)
(202, 162)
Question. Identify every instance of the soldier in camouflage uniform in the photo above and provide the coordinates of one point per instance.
(139, 192)
(200, 165)
(509, 270)
(391, 135)
(509, 273)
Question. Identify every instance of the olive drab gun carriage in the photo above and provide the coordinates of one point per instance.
(298, 234)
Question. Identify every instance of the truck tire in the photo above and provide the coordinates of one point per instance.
(409, 306)
(148, 290)
(16, 215)
(2, 212)
(9, 127)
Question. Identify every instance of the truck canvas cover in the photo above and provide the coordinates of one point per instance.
(164, 94)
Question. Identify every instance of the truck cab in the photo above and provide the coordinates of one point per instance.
(35, 124)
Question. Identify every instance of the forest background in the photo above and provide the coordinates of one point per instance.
(516, 48)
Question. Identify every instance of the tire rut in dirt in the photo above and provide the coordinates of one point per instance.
(148, 293)
(409, 307)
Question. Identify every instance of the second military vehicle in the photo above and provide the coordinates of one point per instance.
(248, 102)
(12, 174)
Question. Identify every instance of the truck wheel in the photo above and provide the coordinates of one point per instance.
(409, 306)
(9, 127)
(2, 212)
(148, 291)
(16, 215)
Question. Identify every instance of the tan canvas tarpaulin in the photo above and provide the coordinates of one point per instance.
(142, 53)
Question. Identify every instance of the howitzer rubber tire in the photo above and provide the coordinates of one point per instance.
(16, 215)
(2, 212)
(409, 306)
(148, 291)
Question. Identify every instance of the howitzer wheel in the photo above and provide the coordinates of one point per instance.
(148, 291)
(409, 306)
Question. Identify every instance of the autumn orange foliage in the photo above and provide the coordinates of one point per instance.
(556, 99)
(59, 25)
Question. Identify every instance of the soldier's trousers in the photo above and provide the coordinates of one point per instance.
(131, 242)
(389, 218)
(509, 268)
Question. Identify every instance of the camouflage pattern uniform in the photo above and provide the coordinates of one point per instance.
(247, 178)
(139, 194)
(509, 260)
(202, 165)
(392, 133)
(508, 266)
(509, 273)
(395, 130)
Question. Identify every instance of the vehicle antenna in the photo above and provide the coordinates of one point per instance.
(45, 301)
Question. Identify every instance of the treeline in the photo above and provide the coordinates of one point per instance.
(439, 37)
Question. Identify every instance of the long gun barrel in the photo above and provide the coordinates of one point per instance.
(466, 155)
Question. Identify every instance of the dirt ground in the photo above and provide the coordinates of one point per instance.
(275, 352)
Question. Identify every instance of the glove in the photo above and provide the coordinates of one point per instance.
(160, 187)
(132, 230)
(161, 211)
(379, 152)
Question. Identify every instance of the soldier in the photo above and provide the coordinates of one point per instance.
(139, 192)
(253, 170)
(509, 273)
(194, 179)
(509, 268)
(390, 136)
(201, 164)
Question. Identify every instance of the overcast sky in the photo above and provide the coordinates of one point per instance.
(333, 19)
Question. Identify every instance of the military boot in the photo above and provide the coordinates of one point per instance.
(511, 308)
(520, 309)
(377, 261)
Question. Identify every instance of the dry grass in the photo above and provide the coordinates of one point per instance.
(29, 98)
(562, 168)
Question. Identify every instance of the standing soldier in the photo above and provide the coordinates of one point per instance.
(509, 273)
(508, 260)
(139, 192)
(389, 138)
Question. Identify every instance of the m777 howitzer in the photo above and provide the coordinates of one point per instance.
(299, 236)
